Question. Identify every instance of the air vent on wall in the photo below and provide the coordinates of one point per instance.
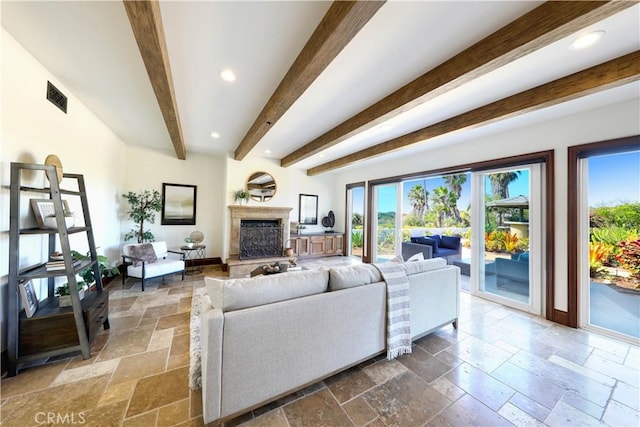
(56, 97)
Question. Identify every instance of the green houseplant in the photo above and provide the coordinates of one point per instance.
(241, 196)
(106, 270)
(143, 207)
(64, 293)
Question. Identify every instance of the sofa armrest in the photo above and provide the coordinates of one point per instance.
(409, 249)
(211, 329)
(177, 253)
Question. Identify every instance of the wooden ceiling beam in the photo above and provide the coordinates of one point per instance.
(534, 30)
(146, 23)
(340, 24)
(616, 72)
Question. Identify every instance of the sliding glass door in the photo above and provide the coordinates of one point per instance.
(609, 243)
(386, 222)
(506, 255)
(355, 220)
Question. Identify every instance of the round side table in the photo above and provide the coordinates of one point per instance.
(192, 253)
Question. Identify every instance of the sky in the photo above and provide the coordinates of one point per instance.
(612, 179)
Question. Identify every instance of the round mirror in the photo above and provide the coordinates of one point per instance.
(261, 186)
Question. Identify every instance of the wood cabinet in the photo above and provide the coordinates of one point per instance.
(317, 244)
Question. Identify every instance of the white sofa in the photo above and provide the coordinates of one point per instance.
(265, 337)
(144, 267)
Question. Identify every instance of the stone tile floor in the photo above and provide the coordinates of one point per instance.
(502, 367)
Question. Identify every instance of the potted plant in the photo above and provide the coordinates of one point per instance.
(64, 294)
(241, 196)
(190, 241)
(143, 207)
(106, 270)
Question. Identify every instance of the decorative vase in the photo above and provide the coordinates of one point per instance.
(288, 252)
(190, 245)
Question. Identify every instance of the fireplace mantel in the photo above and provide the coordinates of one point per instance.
(239, 212)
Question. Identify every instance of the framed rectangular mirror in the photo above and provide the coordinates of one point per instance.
(308, 209)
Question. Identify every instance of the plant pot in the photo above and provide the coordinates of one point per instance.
(65, 300)
(288, 252)
(190, 245)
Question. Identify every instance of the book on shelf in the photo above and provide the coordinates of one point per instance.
(59, 264)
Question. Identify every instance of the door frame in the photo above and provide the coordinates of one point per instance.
(574, 155)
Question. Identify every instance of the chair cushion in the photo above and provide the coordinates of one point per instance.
(159, 268)
(236, 294)
(143, 251)
(450, 242)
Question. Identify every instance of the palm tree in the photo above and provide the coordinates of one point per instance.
(441, 203)
(418, 199)
(500, 183)
(454, 182)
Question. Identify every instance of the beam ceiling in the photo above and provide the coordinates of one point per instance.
(616, 72)
(340, 24)
(542, 26)
(146, 24)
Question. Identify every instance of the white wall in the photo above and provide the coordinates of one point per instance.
(290, 183)
(610, 122)
(147, 169)
(32, 128)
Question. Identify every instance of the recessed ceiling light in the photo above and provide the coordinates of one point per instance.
(385, 127)
(587, 40)
(215, 135)
(267, 151)
(228, 75)
(321, 155)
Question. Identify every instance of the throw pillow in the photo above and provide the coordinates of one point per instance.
(143, 251)
(429, 241)
(397, 258)
(450, 242)
(416, 257)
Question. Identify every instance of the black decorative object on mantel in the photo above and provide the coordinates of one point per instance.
(329, 221)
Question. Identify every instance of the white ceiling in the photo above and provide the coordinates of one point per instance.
(90, 48)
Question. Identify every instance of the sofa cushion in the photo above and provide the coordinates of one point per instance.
(426, 265)
(236, 294)
(352, 276)
(143, 251)
(437, 239)
(450, 242)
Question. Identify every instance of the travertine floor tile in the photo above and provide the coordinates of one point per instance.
(140, 366)
(159, 390)
(359, 411)
(174, 413)
(317, 409)
(469, 412)
(32, 379)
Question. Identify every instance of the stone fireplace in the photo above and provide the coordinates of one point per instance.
(258, 234)
(260, 238)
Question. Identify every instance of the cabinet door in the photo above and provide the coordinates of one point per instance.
(339, 244)
(317, 245)
(300, 246)
(329, 245)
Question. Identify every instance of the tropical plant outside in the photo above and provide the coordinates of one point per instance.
(614, 248)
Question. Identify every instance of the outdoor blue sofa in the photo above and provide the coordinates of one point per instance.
(434, 246)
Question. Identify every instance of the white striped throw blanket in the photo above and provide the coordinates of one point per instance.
(398, 309)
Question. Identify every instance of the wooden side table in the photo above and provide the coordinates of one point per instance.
(192, 253)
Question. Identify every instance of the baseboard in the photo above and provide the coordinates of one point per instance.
(4, 359)
(198, 262)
